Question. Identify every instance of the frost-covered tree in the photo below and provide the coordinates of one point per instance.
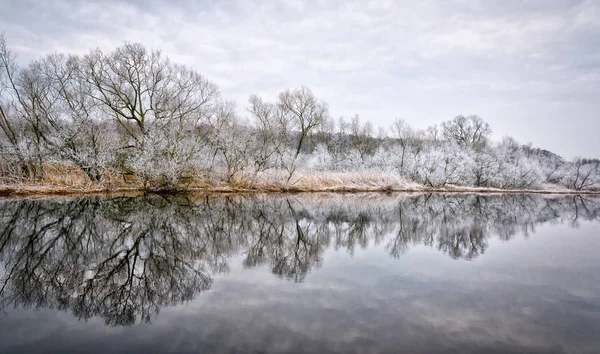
(131, 112)
(484, 168)
(20, 145)
(361, 138)
(407, 138)
(140, 88)
(470, 131)
(338, 144)
(583, 174)
(231, 145)
(442, 165)
(304, 111)
(271, 133)
(516, 168)
(284, 126)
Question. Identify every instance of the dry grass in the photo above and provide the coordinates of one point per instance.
(323, 182)
(68, 179)
(353, 181)
(64, 175)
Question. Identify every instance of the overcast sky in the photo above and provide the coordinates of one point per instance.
(529, 68)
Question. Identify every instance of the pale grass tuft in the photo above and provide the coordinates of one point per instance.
(323, 181)
(64, 174)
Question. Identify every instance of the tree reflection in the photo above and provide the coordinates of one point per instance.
(123, 258)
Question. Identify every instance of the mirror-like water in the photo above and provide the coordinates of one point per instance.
(301, 273)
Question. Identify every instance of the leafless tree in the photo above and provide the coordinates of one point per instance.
(584, 174)
(470, 131)
(16, 119)
(271, 133)
(361, 138)
(304, 111)
(406, 136)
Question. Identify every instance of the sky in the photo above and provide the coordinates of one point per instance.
(529, 68)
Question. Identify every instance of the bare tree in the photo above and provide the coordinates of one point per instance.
(283, 127)
(584, 174)
(470, 131)
(15, 117)
(432, 133)
(361, 138)
(271, 133)
(304, 110)
(231, 143)
(140, 88)
(405, 135)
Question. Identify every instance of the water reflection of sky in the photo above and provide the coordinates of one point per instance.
(537, 294)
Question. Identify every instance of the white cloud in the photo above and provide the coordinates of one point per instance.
(423, 60)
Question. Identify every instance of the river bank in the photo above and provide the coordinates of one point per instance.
(45, 190)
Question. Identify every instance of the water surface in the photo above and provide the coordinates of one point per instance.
(301, 273)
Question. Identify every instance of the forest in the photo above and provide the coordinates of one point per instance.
(133, 118)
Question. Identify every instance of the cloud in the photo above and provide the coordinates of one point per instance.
(425, 61)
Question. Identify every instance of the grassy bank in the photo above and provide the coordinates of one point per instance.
(66, 182)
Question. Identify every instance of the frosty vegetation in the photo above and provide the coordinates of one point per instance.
(132, 117)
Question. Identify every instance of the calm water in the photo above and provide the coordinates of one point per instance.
(345, 274)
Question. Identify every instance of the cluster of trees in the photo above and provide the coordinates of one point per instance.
(134, 112)
(124, 258)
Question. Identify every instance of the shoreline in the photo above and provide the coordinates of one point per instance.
(52, 190)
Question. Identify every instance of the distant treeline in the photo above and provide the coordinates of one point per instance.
(133, 115)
